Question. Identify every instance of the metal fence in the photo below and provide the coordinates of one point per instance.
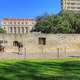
(55, 54)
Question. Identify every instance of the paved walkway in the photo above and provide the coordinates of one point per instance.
(27, 55)
(10, 55)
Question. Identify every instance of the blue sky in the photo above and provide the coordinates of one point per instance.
(28, 8)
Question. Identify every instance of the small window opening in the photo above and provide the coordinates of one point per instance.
(42, 41)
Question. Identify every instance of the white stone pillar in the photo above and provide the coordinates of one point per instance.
(24, 30)
(20, 30)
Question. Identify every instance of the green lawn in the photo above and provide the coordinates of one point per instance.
(65, 69)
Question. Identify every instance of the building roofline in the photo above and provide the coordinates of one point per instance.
(17, 19)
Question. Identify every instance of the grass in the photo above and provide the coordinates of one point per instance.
(65, 69)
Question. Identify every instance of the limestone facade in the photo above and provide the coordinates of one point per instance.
(43, 43)
(17, 25)
(72, 5)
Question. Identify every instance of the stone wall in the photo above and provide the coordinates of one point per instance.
(56, 44)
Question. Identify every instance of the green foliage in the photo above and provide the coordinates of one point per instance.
(2, 31)
(64, 22)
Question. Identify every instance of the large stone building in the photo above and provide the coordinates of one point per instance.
(71, 5)
(17, 25)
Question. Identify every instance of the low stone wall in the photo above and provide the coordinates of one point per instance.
(60, 45)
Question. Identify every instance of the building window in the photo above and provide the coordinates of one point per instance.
(18, 29)
(78, 7)
(30, 23)
(10, 29)
(22, 29)
(10, 23)
(26, 22)
(22, 22)
(14, 29)
(14, 22)
(18, 22)
(1, 41)
(5, 41)
(4, 23)
(42, 41)
(26, 29)
(15, 43)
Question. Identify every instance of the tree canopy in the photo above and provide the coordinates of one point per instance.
(64, 22)
(2, 30)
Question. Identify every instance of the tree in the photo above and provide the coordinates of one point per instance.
(2, 30)
(64, 22)
(46, 24)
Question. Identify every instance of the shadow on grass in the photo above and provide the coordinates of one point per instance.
(25, 70)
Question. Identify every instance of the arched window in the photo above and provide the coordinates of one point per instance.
(15, 43)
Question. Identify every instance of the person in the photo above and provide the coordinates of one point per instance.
(1, 48)
(20, 46)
